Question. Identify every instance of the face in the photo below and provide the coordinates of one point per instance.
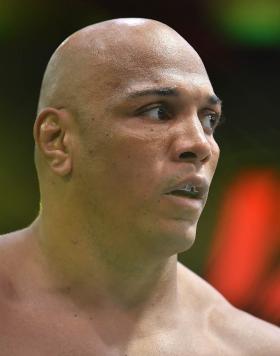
(149, 132)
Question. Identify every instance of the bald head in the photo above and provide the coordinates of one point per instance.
(104, 54)
(94, 68)
(122, 104)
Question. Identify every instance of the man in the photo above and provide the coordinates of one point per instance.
(125, 154)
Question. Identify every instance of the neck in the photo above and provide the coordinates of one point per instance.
(123, 279)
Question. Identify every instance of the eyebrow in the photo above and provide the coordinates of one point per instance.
(169, 91)
(155, 92)
(214, 100)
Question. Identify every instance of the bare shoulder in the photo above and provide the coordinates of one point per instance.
(13, 257)
(10, 245)
(255, 335)
(7, 244)
(237, 330)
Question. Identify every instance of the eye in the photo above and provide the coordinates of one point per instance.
(159, 113)
(210, 121)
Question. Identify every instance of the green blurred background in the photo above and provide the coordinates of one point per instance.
(239, 42)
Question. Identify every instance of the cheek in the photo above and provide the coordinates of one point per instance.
(136, 161)
(215, 157)
(216, 151)
(128, 164)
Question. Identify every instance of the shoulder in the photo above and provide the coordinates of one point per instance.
(239, 331)
(13, 259)
(252, 334)
(10, 244)
(9, 258)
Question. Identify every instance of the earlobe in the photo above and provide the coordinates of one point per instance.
(50, 134)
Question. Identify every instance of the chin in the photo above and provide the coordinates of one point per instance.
(175, 238)
(186, 240)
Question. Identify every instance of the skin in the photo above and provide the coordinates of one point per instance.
(126, 112)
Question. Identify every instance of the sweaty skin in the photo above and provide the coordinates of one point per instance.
(126, 114)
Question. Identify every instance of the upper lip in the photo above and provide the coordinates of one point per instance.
(200, 183)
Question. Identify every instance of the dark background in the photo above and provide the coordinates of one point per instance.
(239, 42)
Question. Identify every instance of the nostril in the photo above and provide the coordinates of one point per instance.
(187, 155)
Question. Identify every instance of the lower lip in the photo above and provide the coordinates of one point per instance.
(185, 202)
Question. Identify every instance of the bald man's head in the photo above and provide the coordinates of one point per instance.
(126, 111)
(102, 55)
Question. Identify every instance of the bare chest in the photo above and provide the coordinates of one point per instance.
(36, 331)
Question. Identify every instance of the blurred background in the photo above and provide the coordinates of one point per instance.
(238, 241)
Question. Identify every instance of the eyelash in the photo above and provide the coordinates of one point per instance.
(214, 116)
(168, 113)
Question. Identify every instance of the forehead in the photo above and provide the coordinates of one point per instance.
(123, 77)
(142, 60)
(188, 85)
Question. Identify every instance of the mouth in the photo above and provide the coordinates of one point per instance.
(195, 188)
(189, 191)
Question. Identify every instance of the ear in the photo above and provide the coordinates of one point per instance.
(52, 136)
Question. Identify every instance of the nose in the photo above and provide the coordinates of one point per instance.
(191, 143)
